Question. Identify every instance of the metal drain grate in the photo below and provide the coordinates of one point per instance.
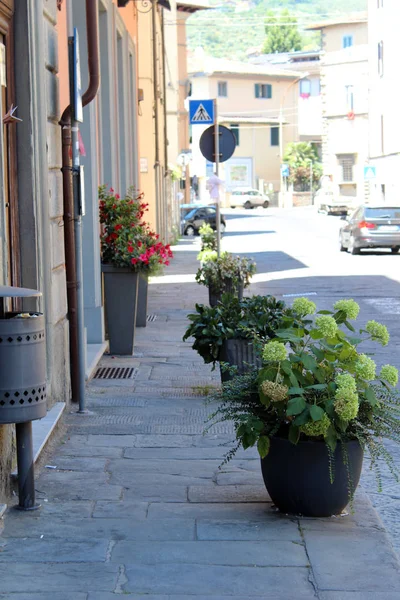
(116, 373)
(151, 318)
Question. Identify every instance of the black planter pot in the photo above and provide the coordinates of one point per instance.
(229, 288)
(141, 313)
(239, 353)
(121, 291)
(298, 481)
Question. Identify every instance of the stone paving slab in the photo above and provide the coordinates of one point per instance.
(55, 577)
(228, 493)
(54, 550)
(247, 530)
(172, 579)
(356, 560)
(245, 554)
(100, 529)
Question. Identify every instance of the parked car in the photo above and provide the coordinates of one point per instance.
(371, 227)
(330, 203)
(193, 216)
(245, 197)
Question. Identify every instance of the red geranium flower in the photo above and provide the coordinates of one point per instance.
(118, 227)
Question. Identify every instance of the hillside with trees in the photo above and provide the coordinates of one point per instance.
(234, 26)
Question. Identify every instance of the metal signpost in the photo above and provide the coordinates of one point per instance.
(78, 185)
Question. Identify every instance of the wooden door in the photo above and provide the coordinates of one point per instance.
(9, 157)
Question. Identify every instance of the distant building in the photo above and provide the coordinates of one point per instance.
(259, 103)
(309, 98)
(384, 142)
(344, 90)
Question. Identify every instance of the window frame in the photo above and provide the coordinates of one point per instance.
(235, 128)
(380, 58)
(274, 141)
(222, 86)
(259, 89)
(345, 39)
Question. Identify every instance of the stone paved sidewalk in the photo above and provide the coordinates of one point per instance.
(137, 507)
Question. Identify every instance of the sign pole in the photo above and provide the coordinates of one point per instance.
(216, 145)
(76, 118)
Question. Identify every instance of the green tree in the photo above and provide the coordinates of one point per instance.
(299, 156)
(282, 33)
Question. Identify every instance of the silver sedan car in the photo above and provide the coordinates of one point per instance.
(371, 227)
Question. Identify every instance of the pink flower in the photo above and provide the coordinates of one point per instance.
(117, 196)
(166, 262)
(139, 244)
(134, 261)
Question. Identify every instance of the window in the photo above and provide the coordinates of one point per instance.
(348, 41)
(346, 161)
(274, 136)
(350, 98)
(305, 88)
(235, 131)
(263, 90)
(380, 3)
(380, 59)
(222, 89)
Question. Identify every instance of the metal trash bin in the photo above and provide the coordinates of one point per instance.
(22, 383)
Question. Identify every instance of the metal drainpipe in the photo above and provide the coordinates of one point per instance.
(92, 31)
(166, 144)
(156, 118)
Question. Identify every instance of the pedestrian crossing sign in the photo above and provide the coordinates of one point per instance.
(201, 112)
(369, 173)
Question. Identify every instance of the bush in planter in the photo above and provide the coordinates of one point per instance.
(226, 274)
(252, 319)
(208, 237)
(130, 249)
(313, 408)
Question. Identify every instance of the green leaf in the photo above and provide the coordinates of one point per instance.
(295, 406)
(294, 434)
(303, 418)
(318, 353)
(295, 391)
(370, 396)
(345, 353)
(331, 438)
(324, 312)
(349, 326)
(316, 412)
(355, 341)
(316, 335)
(309, 362)
(263, 446)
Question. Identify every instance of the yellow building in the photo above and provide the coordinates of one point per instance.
(260, 105)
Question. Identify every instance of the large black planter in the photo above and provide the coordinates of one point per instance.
(298, 481)
(240, 353)
(228, 288)
(141, 313)
(121, 292)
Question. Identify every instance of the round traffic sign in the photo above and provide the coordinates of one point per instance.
(227, 143)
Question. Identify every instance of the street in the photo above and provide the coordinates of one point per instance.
(133, 500)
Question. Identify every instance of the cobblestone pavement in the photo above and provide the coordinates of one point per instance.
(137, 506)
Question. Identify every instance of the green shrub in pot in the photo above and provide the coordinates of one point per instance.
(254, 318)
(226, 271)
(313, 407)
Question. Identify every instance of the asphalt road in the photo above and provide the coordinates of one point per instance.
(297, 253)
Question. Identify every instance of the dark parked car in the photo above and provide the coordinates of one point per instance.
(193, 216)
(371, 227)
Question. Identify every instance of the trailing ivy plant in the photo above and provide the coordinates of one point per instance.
(315, 384)
(254, 318)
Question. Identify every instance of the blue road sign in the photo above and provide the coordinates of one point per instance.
(201, 112)
(285, 170)
(369, 173)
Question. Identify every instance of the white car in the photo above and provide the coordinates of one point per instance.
(245, 197)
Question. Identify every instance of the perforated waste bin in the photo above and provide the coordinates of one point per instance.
(22, 382)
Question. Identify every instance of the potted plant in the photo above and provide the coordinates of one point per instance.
(130, 249)
(226, 274)
(313, 408)
(233, 331)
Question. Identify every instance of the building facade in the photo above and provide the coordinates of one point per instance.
(384, 143)
(259, 104)
(344, 90)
